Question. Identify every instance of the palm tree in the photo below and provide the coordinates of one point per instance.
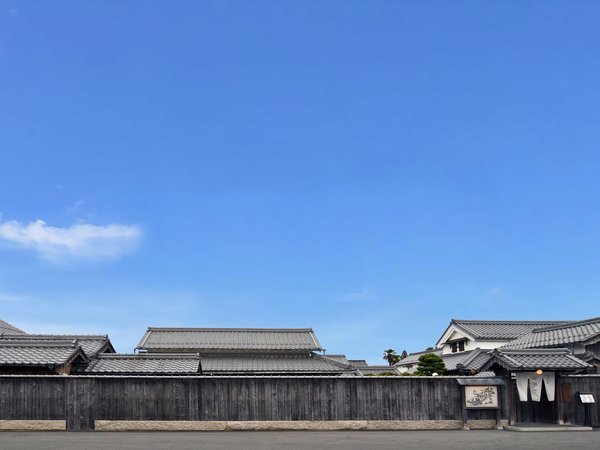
(391, 356)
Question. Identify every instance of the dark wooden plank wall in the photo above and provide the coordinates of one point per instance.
(573, 410)
(32, 398)
(80, 404)
(83, 399)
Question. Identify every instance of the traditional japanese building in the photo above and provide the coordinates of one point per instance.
(248, 351)
(29, 354)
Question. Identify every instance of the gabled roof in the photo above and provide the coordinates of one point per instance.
(276, 364)
(377, 370)
(358, 362)
(533, 359)
(339, 358)
(39, 353)
(7, 328)
(495, 329)
(220, 340)
(584, 331)
(413, 358)
(90, 344)
(472, 359)
(469, 360)
(144, 364)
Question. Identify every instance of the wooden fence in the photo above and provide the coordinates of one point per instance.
(571, 409)
(80, 400)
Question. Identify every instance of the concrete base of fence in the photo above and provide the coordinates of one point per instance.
(33, 425)
(299, 425)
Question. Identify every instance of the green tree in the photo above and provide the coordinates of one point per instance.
(430, 363)
(391, 356)
(404, 354)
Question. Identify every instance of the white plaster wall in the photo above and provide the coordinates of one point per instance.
(472, 345)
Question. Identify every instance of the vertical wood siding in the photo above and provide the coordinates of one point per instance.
(83, 399)
(574, 411)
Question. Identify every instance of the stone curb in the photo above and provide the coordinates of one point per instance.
(298, 425)
(33, 425)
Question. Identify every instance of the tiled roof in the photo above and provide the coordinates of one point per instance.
(339, 358)
(413, 358)
(478, 361)
(451, 360)
(472, 359)
(358, 362)
(501, 329)
(270, 364)
(229, 339)
(377, 370)
(556, 336)
(486, 374)
(39, 353)
(533, 359)
(144, 364)
(7, 328)
(466, 361)
(91, 344)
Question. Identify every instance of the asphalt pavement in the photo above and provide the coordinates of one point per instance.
(249, 440)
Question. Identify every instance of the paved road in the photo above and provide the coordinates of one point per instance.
(302, 440)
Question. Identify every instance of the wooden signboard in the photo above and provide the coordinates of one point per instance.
(480, 393)
(482, 397)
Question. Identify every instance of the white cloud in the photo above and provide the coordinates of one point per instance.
(6, 297)
(357, 296)
(77, 242)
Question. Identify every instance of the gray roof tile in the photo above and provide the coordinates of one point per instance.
(38, 353)
(144, 364)
(413, 358)
(339, 358)
(91, 344)
(377, 370)
(7, 328)
(229, 339)
(501, 329)
(358, 362)
(451, 360)
(533, 359)
(472, 359)
(556, 336)
(270, 364)
(478, 361)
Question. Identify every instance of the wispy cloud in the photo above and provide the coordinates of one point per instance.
(6, 297)
(82, 241)
(493, 292)
(75, 207)
(357, 296)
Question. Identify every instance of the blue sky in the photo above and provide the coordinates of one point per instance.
(368, 169)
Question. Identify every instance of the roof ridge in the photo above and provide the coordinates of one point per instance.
(534, 351)
(472, 354)
(10, 326)
(569, 324)
(507, 322)
(230, 329)
(25, 337)
(147, 356)
(25, 343)
(425, 351)
(332, 361)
